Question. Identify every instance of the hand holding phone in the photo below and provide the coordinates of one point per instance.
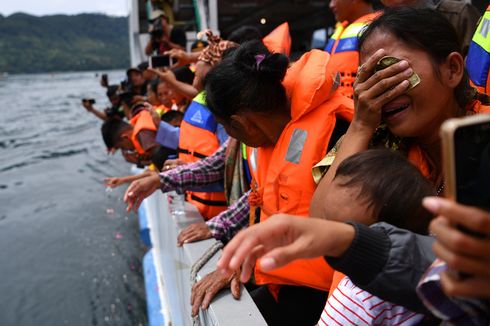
(160, 61)
(88, 104)
(466, 162)
(467, 256)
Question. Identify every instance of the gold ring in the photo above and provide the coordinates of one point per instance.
(359, 69)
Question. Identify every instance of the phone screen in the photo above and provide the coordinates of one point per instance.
(472, 163)
(158, 61)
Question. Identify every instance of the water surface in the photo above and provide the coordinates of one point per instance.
(69, 253)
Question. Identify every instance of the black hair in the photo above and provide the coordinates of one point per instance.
(143, 66)
(154, 85)
(430, 31)
(126, 97)
(137, 107)
(244, 34)
(391, 185)
(172, 115)
(249, 79)
(112, 130)
(184, 74)
(112, 90)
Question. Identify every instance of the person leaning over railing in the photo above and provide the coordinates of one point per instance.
(290, 116)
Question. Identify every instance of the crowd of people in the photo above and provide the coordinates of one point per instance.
(323, 177)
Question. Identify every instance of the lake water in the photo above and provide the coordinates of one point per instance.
(69, 253)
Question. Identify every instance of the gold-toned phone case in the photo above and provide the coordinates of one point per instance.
(448, 128)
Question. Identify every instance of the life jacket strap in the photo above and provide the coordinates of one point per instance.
(195, 154)
(208, 202)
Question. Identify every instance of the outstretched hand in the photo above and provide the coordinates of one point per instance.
(139, 190)
(164, 74)
(282, 239)
(113, 182)
(464, 251)
(180, 57)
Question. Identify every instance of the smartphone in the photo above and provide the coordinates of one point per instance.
(160, 61)
(466, 160)
(90, 100)
(466, 164)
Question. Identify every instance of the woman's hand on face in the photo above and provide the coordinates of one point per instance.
(139, 190)
(372, 90)
(282, 239)
(462, 251)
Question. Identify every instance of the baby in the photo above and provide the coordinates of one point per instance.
(373, 186)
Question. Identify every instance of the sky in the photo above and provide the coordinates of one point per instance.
(51, 7)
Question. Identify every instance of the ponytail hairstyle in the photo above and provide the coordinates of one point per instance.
(249, 78)
(430, 31)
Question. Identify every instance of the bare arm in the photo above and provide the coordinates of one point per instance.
(183, 58)
(149, 48)
(114, 182)
(282, 239)
(168, 76)
(90, 108)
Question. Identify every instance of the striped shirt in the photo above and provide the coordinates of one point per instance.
(350, 305)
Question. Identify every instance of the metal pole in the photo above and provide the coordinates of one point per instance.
(213, 15)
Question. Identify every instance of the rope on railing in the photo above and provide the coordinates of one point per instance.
(208, 254)
(198, 265)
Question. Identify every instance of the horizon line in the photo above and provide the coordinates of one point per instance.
(63, 14)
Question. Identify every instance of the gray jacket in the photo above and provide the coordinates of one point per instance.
(387, 262)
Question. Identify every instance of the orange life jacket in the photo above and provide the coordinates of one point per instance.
(337, 277)
(283, 180)
(141, 121)
(279, 40)
(344, 49)
(197, 141)
(478, 59)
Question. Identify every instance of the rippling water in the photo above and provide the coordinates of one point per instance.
(69, 254)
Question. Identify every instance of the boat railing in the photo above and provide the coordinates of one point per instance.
(168, 284)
